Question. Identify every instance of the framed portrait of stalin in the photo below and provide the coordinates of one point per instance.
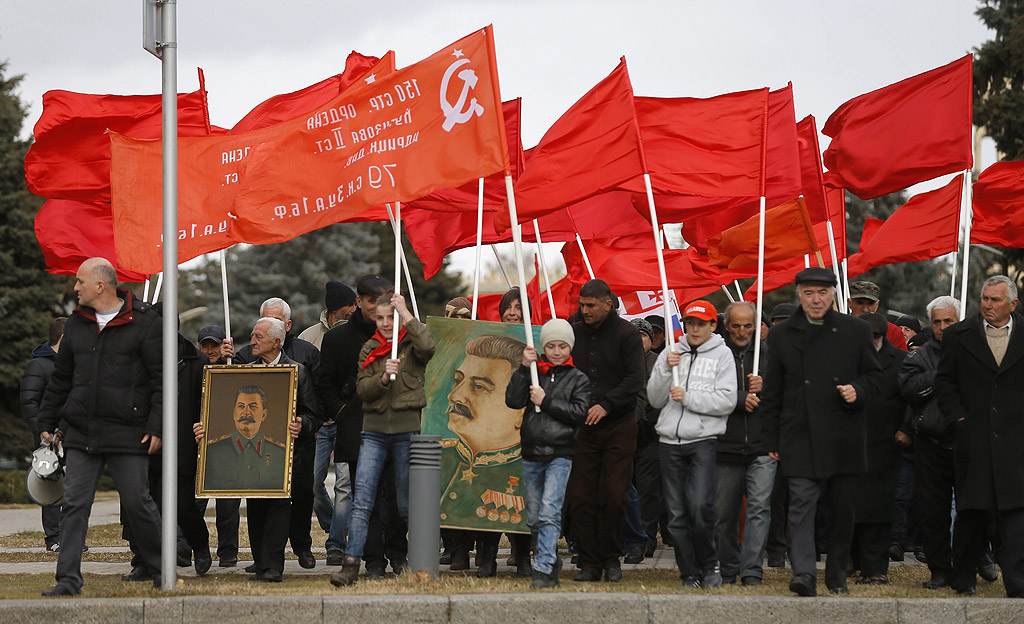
(247, 451)
(481, 458)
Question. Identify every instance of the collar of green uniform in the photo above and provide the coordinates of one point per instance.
(485, 458)
(237, 438)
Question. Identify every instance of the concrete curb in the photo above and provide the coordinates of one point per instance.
(617, 608)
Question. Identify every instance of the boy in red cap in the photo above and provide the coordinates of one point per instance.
(692, 415)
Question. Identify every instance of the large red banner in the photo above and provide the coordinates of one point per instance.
(392, 136)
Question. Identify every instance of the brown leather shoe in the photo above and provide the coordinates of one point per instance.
(348, 574)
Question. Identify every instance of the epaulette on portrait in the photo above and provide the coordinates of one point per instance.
(220, 439)
(275, 442)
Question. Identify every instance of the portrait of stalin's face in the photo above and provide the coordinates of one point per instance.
(250, 410)
(476, 405)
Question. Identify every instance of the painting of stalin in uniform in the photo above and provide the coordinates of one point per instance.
(246, 459)
(482, 467)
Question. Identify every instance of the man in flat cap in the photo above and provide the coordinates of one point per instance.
(864, 297)
(819, 369)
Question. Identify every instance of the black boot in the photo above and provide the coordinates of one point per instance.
(523, 565)
(488, 560)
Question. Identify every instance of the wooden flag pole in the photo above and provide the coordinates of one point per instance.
(224, 295)
(669, 334)
(760, 287)
(405, 270)
(968, 212)
(479, 247)
(586, 259)
(517, 240)
(398, 280)
(544, 270)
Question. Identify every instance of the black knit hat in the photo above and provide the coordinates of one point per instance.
(338, 296)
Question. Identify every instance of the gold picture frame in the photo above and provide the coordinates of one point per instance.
(247, 451)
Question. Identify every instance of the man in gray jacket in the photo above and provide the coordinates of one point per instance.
(693, 414)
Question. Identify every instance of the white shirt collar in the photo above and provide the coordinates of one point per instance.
(1008, 326)
(277, 359)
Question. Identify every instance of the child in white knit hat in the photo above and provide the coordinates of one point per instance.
(548, 438)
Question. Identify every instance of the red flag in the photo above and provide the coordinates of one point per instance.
(70, 158)
(788, 233)
(70, 232)
(710, 147)
(779, 274)
(811, 172)
(783, 180)
(487, 307)
(925, 227)
(999, 205)
(914, 130)
(288, 106)
(871, 227)
(592, 148)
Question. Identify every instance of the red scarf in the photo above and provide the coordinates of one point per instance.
(543, 366)
(384, 348)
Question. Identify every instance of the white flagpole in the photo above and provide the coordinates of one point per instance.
(760, 286)
(224, 294)
(398, 279)
(669, 334)
(739, 291)
(586, 259)
(156, 289)
(846, 283)
(479, 247)
(807, 261)
(501, 265)
(544, 269)
(517, 240)
(728, 293)
(968, 212)
(405, 269)
(145, 290)
(835, 261)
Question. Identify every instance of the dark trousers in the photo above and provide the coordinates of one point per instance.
(840, 494)
(227, 526)
(301, 517)
(601, 469)
(688, 480)
(51, 524)
(634, 535)
(647, 471)
(778, 529)
(906, 527)
(871, 540)
(933, 492)
(268, 531)
(130, 473)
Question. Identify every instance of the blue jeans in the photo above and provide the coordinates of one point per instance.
(545, 492)
(633, 533)
(332, 516)
(374, 450)
(756, 479)
(688, 483)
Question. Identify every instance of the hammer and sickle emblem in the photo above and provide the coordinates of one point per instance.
(457, 114)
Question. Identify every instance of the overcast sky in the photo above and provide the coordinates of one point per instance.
(549, 52)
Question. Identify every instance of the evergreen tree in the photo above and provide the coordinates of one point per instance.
(999, 104)
(30, 298)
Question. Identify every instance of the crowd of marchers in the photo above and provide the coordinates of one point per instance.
(835, 435)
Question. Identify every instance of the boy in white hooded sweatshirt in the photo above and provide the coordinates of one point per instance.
(692, 415)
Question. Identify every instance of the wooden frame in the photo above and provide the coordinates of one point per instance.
(248, 455)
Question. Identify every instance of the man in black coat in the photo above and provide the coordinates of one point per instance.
(981, 373)
(610, 352)
(33, 384)
(742, 464)
(106, 386)
(876, 488)
(269, 517)
(304, 353)
(932, 439)
(820, 366)
(337, 390)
